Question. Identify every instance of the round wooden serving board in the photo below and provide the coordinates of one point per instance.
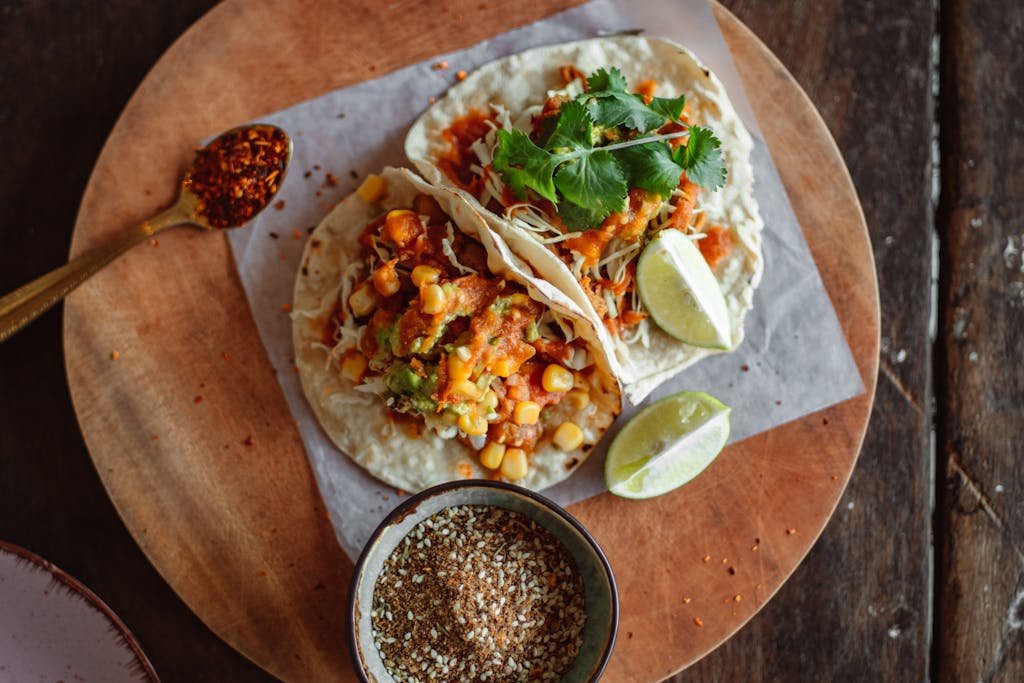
(239, 530)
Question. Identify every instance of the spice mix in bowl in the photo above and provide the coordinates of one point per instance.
(482, 581)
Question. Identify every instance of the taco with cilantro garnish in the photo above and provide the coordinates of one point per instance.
(577, 155)
(428, 354)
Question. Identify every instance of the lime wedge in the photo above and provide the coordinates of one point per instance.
(681, 293)
(666, 444)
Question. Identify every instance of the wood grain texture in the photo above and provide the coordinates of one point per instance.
(239, 530)
(981, 422)
(52, 497)
(858, 608)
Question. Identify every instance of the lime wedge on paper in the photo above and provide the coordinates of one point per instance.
(666, 444)
(681, 293)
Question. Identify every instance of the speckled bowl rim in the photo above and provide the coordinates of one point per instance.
(409, 506)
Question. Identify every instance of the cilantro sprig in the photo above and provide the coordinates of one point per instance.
(588, 180)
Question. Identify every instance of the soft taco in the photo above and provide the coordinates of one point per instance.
(428, 355)
(577, 155)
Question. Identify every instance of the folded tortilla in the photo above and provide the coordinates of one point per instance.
(357, 420)
(524, 80)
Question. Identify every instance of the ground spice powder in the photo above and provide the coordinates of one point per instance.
(478, 593)
(237, 174)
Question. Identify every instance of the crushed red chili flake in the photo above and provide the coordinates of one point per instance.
(297, 234)
(279, 204)
(226, 355)
(197, 399)
(331, 180)
(249, 440)
(698, 621)
(237, 174)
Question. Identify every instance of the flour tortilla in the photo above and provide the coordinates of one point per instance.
(522, 80)
(358, 422)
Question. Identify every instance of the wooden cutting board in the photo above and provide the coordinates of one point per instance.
(191, 435)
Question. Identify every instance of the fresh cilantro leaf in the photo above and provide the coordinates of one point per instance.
(524, 164)
(595, 182)
(650, 167)
(622, 109)
(577, 218)
(701, 158)
(607, 80)
(574, 129)
(670, 108)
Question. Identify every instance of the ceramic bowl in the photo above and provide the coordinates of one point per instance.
(601, 600)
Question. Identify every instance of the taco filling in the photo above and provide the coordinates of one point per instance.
(594, 172)
(425, 325)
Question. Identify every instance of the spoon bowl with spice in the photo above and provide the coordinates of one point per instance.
(231, 179)
(481, 581)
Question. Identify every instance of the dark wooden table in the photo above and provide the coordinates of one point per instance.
(920, 573)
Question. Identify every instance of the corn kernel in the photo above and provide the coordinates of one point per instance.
(458, 368)
(578, 398)
(385, 279)
(353, 366)
(568, 436)
(362, 301)
(425, 275)
(556, 378)
(372, 188)
(489, 400)
(465, 388)
(492, 455)
(503, 367)
(514, 465)
(473, 424)
(526, 413)
(432, 299)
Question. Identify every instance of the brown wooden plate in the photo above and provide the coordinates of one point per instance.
(194, 442)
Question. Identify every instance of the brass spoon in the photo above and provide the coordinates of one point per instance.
(28, 302)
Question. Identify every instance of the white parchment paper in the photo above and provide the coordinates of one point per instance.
(793, 361)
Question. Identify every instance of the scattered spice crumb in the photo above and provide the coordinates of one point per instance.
(745, 368)
(707, 558)
(687, 601)
(154, 437)
(197, 399)
(282, 256)
(732, 571)
(834, 477)
(316, 167)
(443, 64)
(114, 355)
(698, 621)
(737, 598)
(400, 492)
(331, 180)
(274, 235)
(307, 174)
(263, 572)
(725, 560)
(790, 531)
(353, 175)
(295, 369)
(629, 634)
(778, 403)
(824, 420)
(287, 308)
(154, 242)
(318, 193)
(310, 229)
(297, 234)
(461, 75)
(431, 99)
(249, 440)
(279, 204)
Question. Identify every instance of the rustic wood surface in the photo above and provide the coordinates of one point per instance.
(859, 606)
(201, 457)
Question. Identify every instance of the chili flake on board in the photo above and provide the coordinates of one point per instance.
(237, 174)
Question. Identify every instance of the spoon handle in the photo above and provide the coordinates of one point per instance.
(29, 301)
